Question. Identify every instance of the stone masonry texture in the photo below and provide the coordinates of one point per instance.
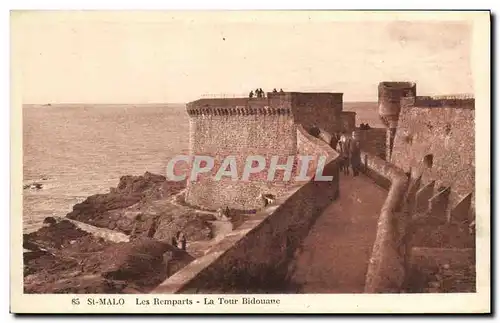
(444, 129)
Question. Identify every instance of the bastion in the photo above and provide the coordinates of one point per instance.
(434, 134)
(440, 131)
(242, 127)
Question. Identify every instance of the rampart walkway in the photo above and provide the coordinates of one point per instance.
(334, 256)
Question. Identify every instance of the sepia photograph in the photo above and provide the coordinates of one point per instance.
(249, 155)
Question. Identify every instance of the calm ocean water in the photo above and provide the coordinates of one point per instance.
(84, 149)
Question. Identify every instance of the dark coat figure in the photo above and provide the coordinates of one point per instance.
(153, 227)
(281, 91)
(335, 141)
(250, 95)
(275, 91)
(355, 155)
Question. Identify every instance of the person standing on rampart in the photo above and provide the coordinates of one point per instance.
(355, 154)
(343, 149)
(334, 142)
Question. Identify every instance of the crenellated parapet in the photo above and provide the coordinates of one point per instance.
(440, 128)
(451, 101)
(239, 111)
(238, 107)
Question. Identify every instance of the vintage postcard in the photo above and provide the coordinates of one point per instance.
(250, 162)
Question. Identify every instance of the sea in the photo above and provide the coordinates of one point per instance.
(76, 150)
(79, 150)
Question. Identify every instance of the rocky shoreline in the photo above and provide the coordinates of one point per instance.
(118, 242)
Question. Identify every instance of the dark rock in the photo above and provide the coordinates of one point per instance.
(54, 236)
(194, 226)
(46, 262)
(141, 261)
(49, 220)
(125, 225)
(65, 259)
(101, 209)
(112, 225)
(91, 265)
(86, 284)
(144, 226)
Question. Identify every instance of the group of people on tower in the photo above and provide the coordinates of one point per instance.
(350, 152)
(364, 126)
(259, 93)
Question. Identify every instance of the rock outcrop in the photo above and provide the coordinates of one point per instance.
(60, 257)
(196, 226)
(65, 259)
(134, 208)
(107, 210)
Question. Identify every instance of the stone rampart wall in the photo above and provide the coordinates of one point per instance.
(254, 258)
(443, 128)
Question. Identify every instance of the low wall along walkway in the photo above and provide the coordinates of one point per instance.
(386, 271)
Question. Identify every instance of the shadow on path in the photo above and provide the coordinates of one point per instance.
(334, 256)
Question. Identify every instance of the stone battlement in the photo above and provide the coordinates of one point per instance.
(241, 106)
(451, 101)
(226, 102)
(395, 85)
(249, 108)
(272, 104)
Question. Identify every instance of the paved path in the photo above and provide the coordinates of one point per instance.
(334, 256)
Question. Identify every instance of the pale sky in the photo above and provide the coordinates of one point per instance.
(154, 58)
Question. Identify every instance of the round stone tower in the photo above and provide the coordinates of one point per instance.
(389, 106)
(233, 130)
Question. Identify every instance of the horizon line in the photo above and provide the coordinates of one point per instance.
(148, 103)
